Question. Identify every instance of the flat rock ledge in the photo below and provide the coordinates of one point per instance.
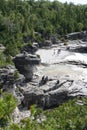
(50, 94)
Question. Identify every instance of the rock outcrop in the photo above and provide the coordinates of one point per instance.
(81, 49)
(76, 59)
(25, 63)
(9, 80)
(77, 35)
(69, 83)
(77, 46)
(7, 76)
(30, 48)
(47, 95)
(46, 43)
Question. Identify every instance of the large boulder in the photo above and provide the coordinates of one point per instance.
(25, 63)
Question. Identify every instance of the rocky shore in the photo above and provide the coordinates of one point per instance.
(47, 76)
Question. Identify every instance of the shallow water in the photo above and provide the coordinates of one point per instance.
(51, 57)
(57, 70)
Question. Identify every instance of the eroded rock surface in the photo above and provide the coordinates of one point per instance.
(9, 81)
(25, 63)
(30, 48)
(77, 35)
(62, 75)
(53, 92)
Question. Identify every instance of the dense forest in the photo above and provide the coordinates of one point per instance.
(19, 19)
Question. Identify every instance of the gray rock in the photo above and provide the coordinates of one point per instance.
(46, 43)
(77, 46)
(18, 115)
(76, 59)
(25, 63)
(49, 95)
(55, 39)
(2, 48)
(77, 35)
(80, 49)
(7, 75)
(30, 48)
(9, 81)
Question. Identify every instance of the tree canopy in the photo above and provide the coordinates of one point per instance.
(19, 19)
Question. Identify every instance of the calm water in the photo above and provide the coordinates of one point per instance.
(51, 57)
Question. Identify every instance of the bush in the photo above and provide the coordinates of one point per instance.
(7, 105)
(16, 74)
(68, 116)
(5, 60)
(2, 59)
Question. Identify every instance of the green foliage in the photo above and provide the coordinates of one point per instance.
(8, 60)
(7, 105)
(2, 59)
(29, 44)
(11, 49)
(68, 116)
(16, 75)
(80, 26)
(14, 127)
(63, 39)
(5, 60)
(22, 18)
(35, 111)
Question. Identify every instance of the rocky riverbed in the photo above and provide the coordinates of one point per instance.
(60, 74)
(65, 62)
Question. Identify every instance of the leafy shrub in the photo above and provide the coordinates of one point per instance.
(11, 49)
(68, 116)
(7, 105)
(16, 74)
(5, 59)
(2, 59)
(14, 127)
(62, 39)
